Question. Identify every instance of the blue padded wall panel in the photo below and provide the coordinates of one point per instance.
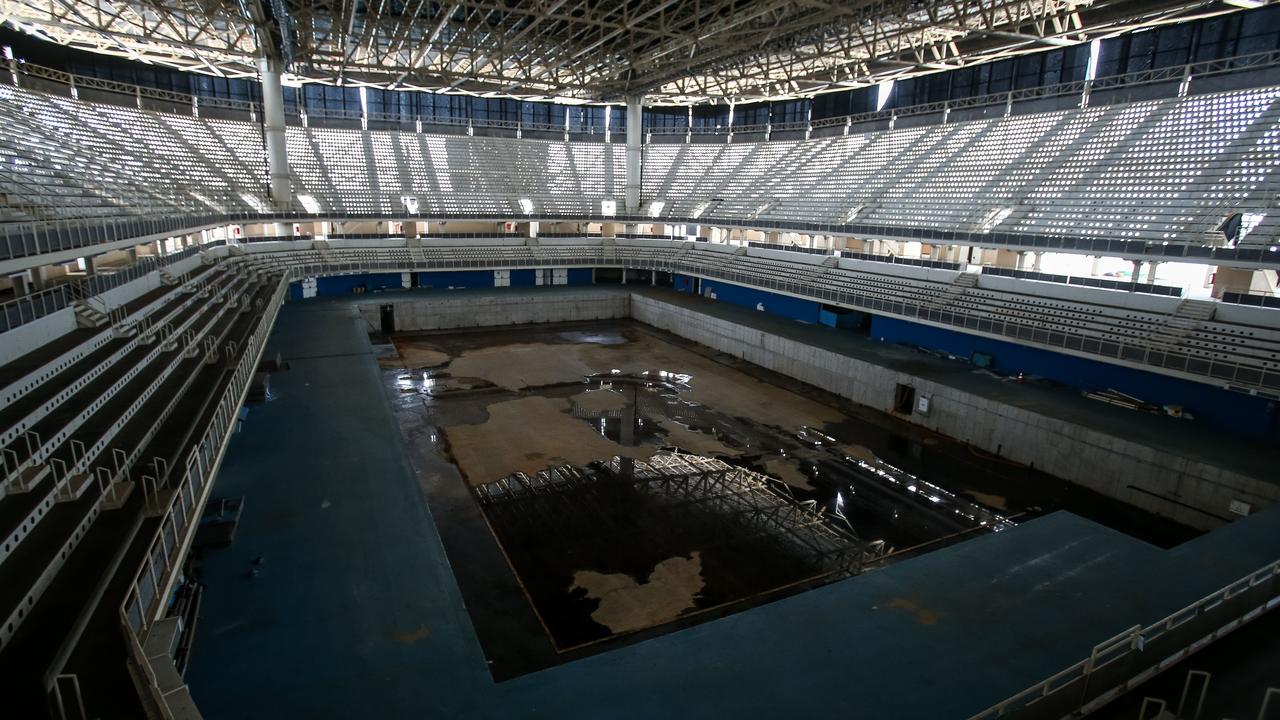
(523, 278)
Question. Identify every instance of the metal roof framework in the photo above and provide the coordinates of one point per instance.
(671, 51)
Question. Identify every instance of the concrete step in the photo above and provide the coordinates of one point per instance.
(89, 317)
(28, 477)
(1196, 309)
(117, 495)
(73, 489)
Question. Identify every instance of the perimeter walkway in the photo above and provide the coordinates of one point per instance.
(356, 613)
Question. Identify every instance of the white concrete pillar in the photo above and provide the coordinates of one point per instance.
(634, 152)
(40, 277)
(1151, 271)
(1037, 258)
(19, 282)
(273, 133)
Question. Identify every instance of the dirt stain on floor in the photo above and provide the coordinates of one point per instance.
(859, 452)
(527, 435)
(523, 365)
(919, 613)
(996, 502)
(698, 443)
(409, 637)
(787, 471)
(413, 355)
(627, 605)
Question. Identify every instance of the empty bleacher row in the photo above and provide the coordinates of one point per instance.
(111, 415)
(1168, 170)
(65, 158)
(1161, 170)
(1160, 333)
(372, 171)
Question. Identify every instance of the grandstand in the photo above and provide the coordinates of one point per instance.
(540, 359)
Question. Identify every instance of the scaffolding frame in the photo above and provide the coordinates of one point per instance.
(681, 483)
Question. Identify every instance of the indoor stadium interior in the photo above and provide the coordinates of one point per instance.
(570, 359)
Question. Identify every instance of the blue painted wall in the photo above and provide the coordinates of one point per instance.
(682, 283)
(344, 284)
(523, 278)
(579, 276)
(456, 279)
(1224, 408)
(794, 308)
(295, 291)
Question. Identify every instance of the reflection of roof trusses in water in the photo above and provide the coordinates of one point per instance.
(762, 506)
(944, 499)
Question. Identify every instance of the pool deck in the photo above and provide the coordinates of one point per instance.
(356, 612)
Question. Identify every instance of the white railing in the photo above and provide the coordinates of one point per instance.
(1256, 378)
(145, 601)
(1126, 660)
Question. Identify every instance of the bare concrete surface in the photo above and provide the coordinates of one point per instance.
(627, 605)
(535, 431)
(527, 435)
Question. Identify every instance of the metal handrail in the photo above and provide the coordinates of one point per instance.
(145, 600)
(1257, 379)
(1134, 640)
(32, 238)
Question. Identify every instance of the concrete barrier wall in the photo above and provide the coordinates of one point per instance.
(1139, 475)
(446, 312)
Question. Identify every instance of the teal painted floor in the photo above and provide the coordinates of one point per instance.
(356, 613)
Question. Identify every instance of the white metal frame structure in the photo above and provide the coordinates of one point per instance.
(670, 51)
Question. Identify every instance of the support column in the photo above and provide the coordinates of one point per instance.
(1037, 259)
(273, 132)
(89, 268)
(1137, 271)
(40, 277)
(634, 137)
(1151, 270)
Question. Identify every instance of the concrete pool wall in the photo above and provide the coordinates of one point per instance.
(1146, 461)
